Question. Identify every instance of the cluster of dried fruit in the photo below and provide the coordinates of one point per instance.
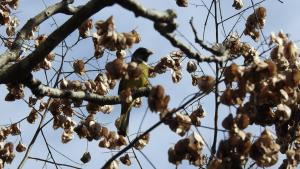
(10, 22)
(171, 61)
(234, 151)
(15, 92)
(272, 87)
(92, 130)
(117, 68)
(238, 48)
(46, 64)
(181, 123)
(107, 37)
(190, 149)
(265, 150)
(7, 154)
(85, 27)
(142, 142)
(6, 148)
(293, 152)
(255, 22)
(157, 100)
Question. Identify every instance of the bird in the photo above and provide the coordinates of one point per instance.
(140, 57)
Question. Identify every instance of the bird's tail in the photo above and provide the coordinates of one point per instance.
(123, 121)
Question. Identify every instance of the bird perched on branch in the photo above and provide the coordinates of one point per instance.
(136, 79)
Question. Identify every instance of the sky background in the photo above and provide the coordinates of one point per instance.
(279, 17)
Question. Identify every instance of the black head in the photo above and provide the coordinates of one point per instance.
(141, 54)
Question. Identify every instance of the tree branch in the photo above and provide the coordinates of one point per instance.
(47, 161)
(156, 16)
(25, 66)
(15, 51)
(38, 89)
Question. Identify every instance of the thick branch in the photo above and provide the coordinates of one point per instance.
(15, 52)
(38, 89)
(139, 10)
(25, 66)
(202, 44)
(187, 50)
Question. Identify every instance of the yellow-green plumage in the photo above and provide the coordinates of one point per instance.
(140, 56)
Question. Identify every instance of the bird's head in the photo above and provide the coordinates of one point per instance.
(141, 54)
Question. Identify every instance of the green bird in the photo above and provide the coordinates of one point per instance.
(140, 56)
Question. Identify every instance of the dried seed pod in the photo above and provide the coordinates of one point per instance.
(191, 66)
(33, 115)
(180, 124)
(66, 137)
(20, 147)
(84, 29)
(134, 71)
(15, 129)
(255, 22)
(142, 142)
(238, 4)
(125, 160)
(206, 83)
(182, 3)
(176, 76)
(283, 112)
(116, 69)
(157, 100)
(265, 150)
(197, 115)
(78, 67)
(228, 122)
(32, 101)
(86, 157)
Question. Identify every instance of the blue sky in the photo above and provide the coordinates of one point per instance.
(279, 17)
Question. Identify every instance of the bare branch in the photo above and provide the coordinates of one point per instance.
(47, 161)
(202, 44)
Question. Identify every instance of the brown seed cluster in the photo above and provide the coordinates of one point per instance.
(6, 148)
(85, 27)
(171, 61)
(108, 38)
(255, 22)
(190, 149)
(142, 142)
(117, 68)
(11, 22)
(234, 151)
(46, 64)
(7, 154)
(157, 100)
(78, 67)
(86, 157)
(206, 83)
(15, 92)
(182, 3)
(271, 87)
(265, 150)
(237, 48)
(125, 160)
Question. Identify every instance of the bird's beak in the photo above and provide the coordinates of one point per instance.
(149, 52)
